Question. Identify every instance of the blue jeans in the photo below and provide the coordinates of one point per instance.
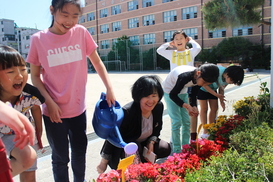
(59, 135)
(180, 120)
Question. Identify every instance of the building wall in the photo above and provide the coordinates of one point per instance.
(7, 33)
(23, 37)
(260, 33)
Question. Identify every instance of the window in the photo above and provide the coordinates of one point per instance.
(104, 44)
(91, 16)
(148, 20)
(165, 1)
(134, 39)
(104, 28)
(147, 3)
(191, 32)
(149, 38)
(82, 19)
(168, 35)
(116, 10)
(103, 13)
(189, 13)
(169, 16)
(27, 37)
(116, 26)
(217, 33)
(114, 41)
(91, 30)
(133, 23)
(242, 31)
(132, 5)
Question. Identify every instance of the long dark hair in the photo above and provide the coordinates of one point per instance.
(59, 4)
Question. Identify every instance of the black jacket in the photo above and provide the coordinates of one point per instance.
(130, 130)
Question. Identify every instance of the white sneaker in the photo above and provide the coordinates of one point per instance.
(205, 136)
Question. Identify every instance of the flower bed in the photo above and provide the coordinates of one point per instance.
(173, 169)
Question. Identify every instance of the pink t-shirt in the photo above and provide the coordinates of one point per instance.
(63, 59)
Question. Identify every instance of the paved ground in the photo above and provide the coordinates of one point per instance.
(122, 83)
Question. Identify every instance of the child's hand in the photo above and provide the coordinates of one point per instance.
(110, 98)
(54, 112)
(24, 131)
(223, 105)
(220, 96)
(172, 45)
(193, 111)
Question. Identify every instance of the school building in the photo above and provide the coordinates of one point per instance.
(150, 23)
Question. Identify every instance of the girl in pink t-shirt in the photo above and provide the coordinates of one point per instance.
(59, 53)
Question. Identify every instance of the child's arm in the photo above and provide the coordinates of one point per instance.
(53, 109)
(196, 48)
(24, 132)
(220, 96)
(37, 116)
(101, 70)
(222, 101)
(163, 52)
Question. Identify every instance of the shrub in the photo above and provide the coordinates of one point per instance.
(249, 159)
(230, 167)
(244, 106)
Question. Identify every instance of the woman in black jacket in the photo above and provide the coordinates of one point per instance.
(141, 124)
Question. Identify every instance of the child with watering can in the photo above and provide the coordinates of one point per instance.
(141, 124)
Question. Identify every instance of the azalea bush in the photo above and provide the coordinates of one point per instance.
(111, 176)
(173, 169)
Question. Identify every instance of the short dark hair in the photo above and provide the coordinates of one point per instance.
(236, 74)
(209, 72)
(9, 57)
(145, 86)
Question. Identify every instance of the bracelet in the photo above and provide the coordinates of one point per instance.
(153, 142)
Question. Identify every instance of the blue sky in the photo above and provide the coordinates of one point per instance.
(27, 13)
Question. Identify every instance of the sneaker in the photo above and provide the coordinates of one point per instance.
(205, 136)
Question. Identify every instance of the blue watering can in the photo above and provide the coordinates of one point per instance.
(106, 122)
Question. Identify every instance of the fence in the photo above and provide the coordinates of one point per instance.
(124, 56)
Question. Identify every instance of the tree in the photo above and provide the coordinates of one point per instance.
(208, 55)
(121, 47)
(233, 48)
(232, 13)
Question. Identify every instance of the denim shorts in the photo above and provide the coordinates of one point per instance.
(9, 146)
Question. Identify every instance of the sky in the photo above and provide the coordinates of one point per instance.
(27, 13)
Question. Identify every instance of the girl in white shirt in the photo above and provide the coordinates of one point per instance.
(180, 54)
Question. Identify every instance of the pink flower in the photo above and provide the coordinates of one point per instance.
(111, 176)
